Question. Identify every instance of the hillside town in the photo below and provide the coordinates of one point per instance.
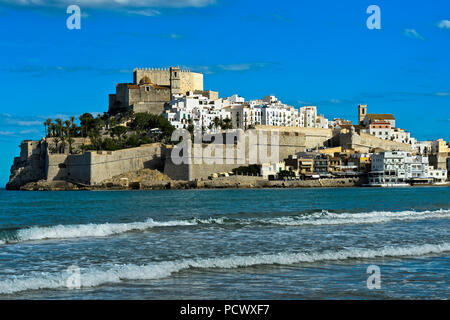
(143, 114)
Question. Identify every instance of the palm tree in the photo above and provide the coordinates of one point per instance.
(216, 122)
(47, 124)
(68, 123)
(59, 127)
(56, 140)
(73, 125)
(51, 129)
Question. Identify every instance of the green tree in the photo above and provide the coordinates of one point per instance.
(59, 127)
(47, 125)
(118, 131)
(227, 124)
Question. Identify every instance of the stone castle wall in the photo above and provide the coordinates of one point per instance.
(92, 168)
(107, 164)
(364, 142)
(189, 81)
(149, 99)
(290, 142)
(29, 166)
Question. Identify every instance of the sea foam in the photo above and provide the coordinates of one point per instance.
(100, 275)
(313, 219)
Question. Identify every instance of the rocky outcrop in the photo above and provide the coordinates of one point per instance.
(56, 185)
(141, 179)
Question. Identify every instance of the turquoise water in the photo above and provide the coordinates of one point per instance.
(225, 244)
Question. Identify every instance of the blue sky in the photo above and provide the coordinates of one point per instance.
(305, 52)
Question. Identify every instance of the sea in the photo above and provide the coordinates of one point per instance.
(336, 243)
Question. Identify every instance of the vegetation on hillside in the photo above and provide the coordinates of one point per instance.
(106, 132)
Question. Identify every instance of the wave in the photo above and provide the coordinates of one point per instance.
(329, 218)
(314, 219)
(96, 276)
(96, 230)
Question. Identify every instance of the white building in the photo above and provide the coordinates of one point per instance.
(397, 168)
(423, 147)
(308, 116)
(197, 110)
(322, 122)
(384, 130)
(416, 167)
(268, 169)
(388, 169)
(438, 175)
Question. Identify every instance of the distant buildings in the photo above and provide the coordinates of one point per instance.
(198, 110)
(179, 96)
(201, 109)
(396, 168)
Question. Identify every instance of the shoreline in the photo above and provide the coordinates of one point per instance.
(210, 185)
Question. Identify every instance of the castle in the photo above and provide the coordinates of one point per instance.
(153, 88)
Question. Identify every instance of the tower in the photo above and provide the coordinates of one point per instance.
(362, 112)
(175, 80)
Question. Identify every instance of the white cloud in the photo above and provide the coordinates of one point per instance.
(112, 4)
(28, 131)
(145, 12)
(237, 67)
(5, 133)
(24, 123)
(413, 34)
(444, 24)
(442, 94)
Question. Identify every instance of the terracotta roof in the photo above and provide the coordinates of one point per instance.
(375, 116)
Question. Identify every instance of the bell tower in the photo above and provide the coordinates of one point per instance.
(362, 112)
(175, 80)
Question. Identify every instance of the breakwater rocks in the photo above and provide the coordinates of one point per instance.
(147, 179)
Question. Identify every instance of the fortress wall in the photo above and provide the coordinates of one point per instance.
(68, 167)
(297, 139)
(158, 77)
(202, 165)
(151, 101)
(364, 142)
(29, 148)
(191, 81)
(107, 164)
(29, 166)
(94, 167)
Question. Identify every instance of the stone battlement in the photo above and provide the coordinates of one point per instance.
(161, 69)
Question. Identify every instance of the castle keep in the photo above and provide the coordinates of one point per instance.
(153, 88)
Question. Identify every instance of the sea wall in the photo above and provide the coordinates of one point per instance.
(93, 167)
(107, 164)
(273, 143)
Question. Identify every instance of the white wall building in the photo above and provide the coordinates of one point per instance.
(388, 169)
(268, 169)
(438, 175)
(308, 116)
(393, 168)
(197, 110)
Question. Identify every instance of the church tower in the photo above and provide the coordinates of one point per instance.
(175, 80)
(362, 112)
